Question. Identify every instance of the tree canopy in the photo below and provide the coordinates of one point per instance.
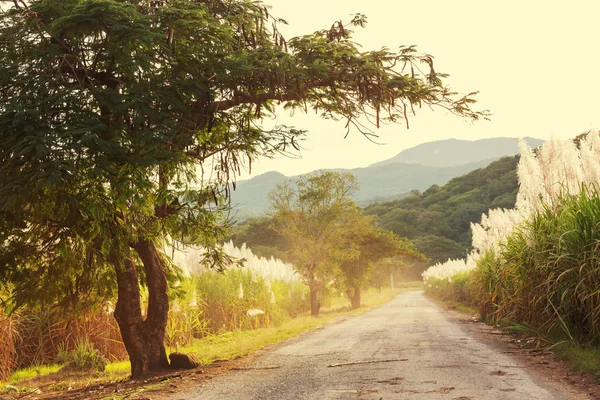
(372, 244)
(314, 214)
(124, 123)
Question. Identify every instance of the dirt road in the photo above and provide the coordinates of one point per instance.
(406, 349)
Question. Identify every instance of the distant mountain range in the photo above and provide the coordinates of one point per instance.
(433, 163)
(450, 152)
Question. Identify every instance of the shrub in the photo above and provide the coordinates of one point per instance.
(82, 357)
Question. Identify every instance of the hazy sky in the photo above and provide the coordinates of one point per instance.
(535, 64)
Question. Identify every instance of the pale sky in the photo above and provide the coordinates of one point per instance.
(535, 63)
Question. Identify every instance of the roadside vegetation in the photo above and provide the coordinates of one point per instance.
(124, 127)
(535, 267)
(216, 347)
(438, 220)
(219, 315)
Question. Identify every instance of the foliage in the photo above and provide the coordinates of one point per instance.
(223, 300)
(110, 108)
(543, 274)
(314, 214)
(192, 262)
(459, 288)
(582, 358)
(200, 306)
(547, 273)
(258, 234)
(39, 331)
(82, 356)
(373, 244)
(186, 319)
(438, 220)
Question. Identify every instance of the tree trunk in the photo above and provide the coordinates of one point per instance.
(315, 304)
(354, 296)
(143, 339)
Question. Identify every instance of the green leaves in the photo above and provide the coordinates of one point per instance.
(123, 119)
(313, 214)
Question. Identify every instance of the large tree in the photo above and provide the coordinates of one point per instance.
(110, 108)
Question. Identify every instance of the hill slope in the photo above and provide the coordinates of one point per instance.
(438, 220)
(456, 152)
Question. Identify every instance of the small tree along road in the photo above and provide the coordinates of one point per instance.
(108, 110)
(314, 214)
(371, 244)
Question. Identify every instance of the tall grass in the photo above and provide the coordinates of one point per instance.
(539, 264)
(262, 295)
(42, 331)
(226, 298)
(7, 348)
(548, 272)
(545, 275)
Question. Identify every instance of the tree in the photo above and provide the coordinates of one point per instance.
(110, 108)
(313, 214)
(373, 244)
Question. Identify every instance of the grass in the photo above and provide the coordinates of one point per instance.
(224, 346)
(30, 373)
(237, 344)
(580, 358)
(55, 378)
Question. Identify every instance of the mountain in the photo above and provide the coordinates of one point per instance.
(418, 168)
(392, 181)
(436, 220)
(451, 152)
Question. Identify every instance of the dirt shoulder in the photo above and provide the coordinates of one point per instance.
(156, 386)
(543, 364)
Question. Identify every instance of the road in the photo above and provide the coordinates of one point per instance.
(405, 349)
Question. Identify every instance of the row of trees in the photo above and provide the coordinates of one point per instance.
(110, 108)
(328, 237)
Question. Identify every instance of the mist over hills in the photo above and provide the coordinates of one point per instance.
(433, 163)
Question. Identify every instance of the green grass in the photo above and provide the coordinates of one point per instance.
(26, 374)
(451, 304)
(54, 378)
(580, 358)
(237, 344)
(118, 368)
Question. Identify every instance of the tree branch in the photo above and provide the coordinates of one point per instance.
(224, 105)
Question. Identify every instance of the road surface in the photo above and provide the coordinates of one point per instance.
(405, 349)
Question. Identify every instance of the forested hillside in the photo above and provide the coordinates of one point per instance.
(438, 220)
